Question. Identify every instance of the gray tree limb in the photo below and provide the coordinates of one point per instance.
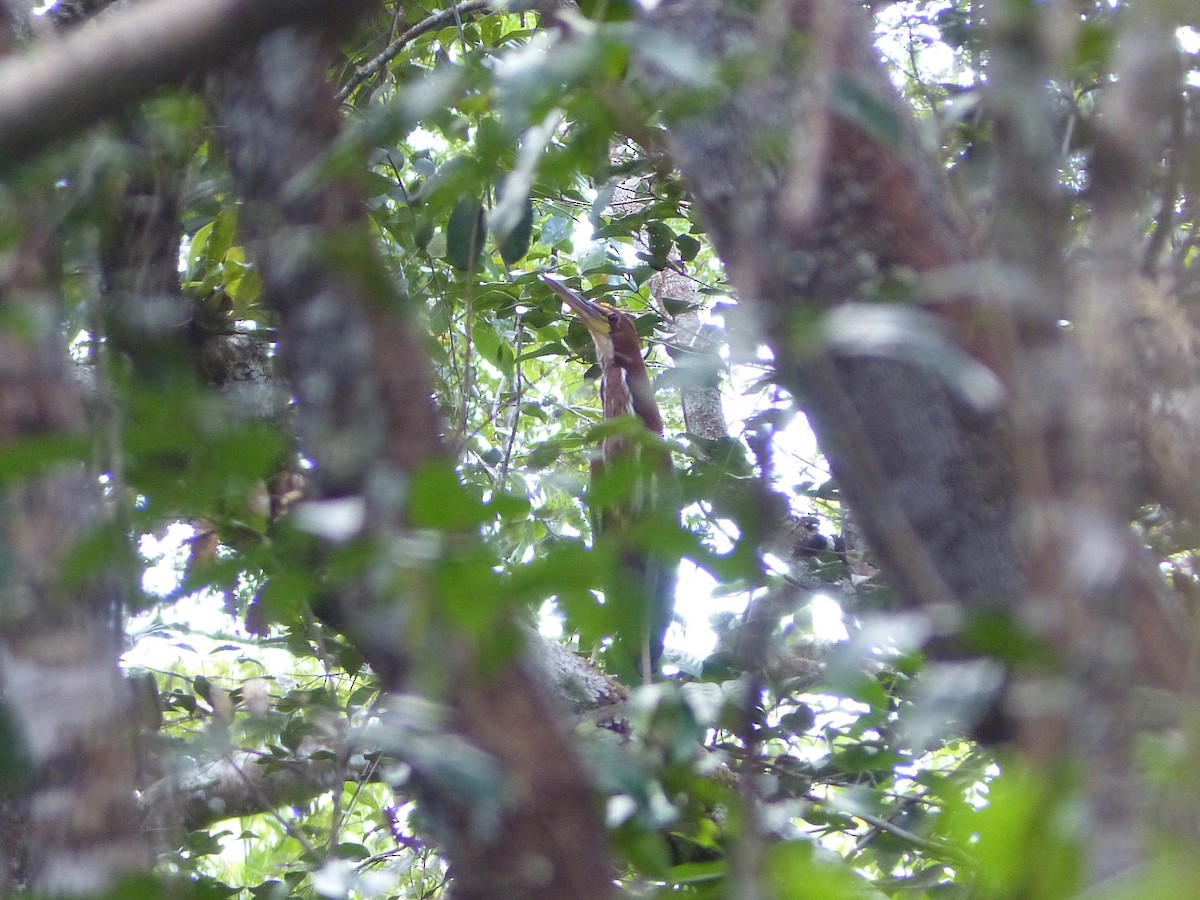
(60, 86)
(59, 628)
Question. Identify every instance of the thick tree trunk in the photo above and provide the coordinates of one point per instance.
(817, 192)
(943, 431)
(367, 420)
(60, 614)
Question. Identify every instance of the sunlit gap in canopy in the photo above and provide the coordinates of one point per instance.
(823, 611)
(828, 623)
(189, 631)
(911, 41)
(1189, 42)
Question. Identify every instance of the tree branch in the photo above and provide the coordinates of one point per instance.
(437, 20)
(368, 422)
(54, 90)
(246, 782)
(59, 682)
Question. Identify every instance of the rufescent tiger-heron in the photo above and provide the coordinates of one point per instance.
(634, 494)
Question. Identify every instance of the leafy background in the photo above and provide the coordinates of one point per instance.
(496, 152)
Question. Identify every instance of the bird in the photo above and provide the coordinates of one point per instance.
(634, 493)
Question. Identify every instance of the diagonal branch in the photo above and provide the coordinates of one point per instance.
(437, 20)
(61, 86)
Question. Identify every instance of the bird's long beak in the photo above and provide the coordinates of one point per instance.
(592, 315)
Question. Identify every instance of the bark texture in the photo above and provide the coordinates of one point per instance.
(61, 86)
(817, 191)
(241, 785)
(60, 635)
(366, 418)
(949, 432)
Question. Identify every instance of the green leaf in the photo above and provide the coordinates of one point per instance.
(15, 765)
(554, 348)
(607, 10)
(659, 237)
(30, 455)
(647, 850)
(515, 244)
(1029, 815)
(509, 506)
(352, 850)
(198, 250)
(439, 501)
(423, 231)
(376, 184)
(555, 230)
(688, 247)
(222, 234)
(207, 888)
(859, 759)
(867, 110)
(792, 872)
(471, 595)
(697, 872)
(285, 594)
(845, 681)
(491, 346)
(98, 553)
(465, 234)
(543, 455)
(1095, 46)
(270, 890)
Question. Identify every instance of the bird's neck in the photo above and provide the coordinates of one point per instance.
(625, 389)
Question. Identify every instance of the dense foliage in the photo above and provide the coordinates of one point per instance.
(797, 745)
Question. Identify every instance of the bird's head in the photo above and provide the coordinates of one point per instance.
(624, 382)
(612, 331)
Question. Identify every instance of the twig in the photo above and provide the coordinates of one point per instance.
(512, 434)
(437, 20)
(943, 850)
(1164, 221)
(293, 831)
(468, 370)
